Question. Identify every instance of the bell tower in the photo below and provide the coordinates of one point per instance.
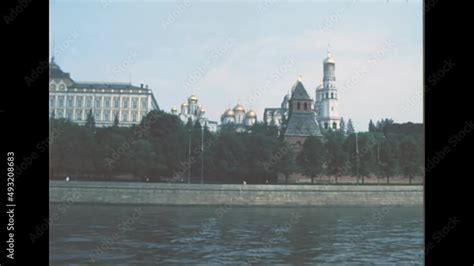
(326, 96)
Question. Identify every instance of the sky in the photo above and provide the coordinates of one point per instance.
(249, 51)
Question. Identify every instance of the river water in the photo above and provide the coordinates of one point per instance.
(216, 235)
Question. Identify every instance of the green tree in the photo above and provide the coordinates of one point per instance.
(409, 157)
(116, 121)
(90, 121)
(311, 158)
(367, 157)
(387, 152)
(336, 156)
(284, 162)
(371, 126)
(350, 127)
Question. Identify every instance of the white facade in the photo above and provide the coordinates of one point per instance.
(326, 97)
(74, 100)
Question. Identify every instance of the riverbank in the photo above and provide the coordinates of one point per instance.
(241, 195)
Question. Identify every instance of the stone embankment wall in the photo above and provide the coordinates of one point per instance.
(243, 195)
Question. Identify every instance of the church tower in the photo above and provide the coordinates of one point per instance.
(326, 97)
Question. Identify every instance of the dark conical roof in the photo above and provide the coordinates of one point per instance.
(299, 92)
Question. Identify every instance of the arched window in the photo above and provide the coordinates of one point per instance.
(305, 106)
(334, 125)
(332, 95)
(327, 96)
(298, 106)
(326, 125)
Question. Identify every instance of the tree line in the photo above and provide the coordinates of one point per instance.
(163, 149)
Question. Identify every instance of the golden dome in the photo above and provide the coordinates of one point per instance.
(329, 59)
(173, 109)
(184, 104)
(192, 98)
(251, 114)
(239, 108)
(229, 113)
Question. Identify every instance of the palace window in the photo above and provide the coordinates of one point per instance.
(326, 125)
(97, 115)
(51, 100)
(78, 115)
(305, 106)
(60, 113)
(298, 106)
(332, 95)
(69, 114)
(125, 116)
(60, 101)
(116, 115)
(327, 95)
(89, 101)
(79, 101)
(70, 101)
(106, 115)
(144, 103)
(334, 125)
(116, 102)
(107, 102)
(97, 101)
(125, 102)
(134, 116)
(134, 102)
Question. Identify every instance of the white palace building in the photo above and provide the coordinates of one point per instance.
(73, 100)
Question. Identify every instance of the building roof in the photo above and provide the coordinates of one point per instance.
(55, 71)
(299, 92)
(106, 85)
(302, 124)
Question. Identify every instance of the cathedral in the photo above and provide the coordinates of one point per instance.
(238, 117)
(194, 112)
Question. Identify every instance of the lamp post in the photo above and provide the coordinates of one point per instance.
(189, 157)
(357, 158)
(202, 154)
(378, 160)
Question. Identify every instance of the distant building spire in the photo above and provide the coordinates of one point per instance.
(52, 52)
